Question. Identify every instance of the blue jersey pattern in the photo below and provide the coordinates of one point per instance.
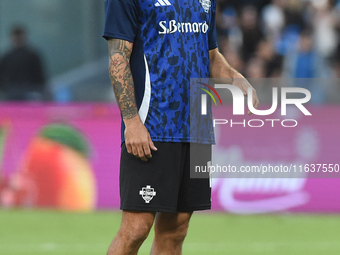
(172, 39)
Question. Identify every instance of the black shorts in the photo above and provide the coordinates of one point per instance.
(163, 184)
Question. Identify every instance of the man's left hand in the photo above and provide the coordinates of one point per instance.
(244, 85)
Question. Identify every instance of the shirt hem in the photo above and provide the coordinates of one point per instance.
(108, 35)
(147, 208)
(213, 46)
(182, 140)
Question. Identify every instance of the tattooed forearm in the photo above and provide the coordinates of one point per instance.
(121, 77)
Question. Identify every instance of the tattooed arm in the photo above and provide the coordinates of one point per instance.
(220, 68)
(137, 139)
(121, 77)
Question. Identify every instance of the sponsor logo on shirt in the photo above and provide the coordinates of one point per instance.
(206, 4)
(162, 3)
(173, 26)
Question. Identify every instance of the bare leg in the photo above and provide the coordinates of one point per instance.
(170, 232)
(133, 231)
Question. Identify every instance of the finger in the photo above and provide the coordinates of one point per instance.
(128, 148)
(255, 100)
(152, 146)
(245, 93)
(134, 150)
(141, 154)
(146, 149)
(144, 159)
(245, 88)
(257, 103)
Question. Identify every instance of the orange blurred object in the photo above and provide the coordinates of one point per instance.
(59, 177)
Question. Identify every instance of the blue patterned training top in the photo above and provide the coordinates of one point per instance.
(172, 39)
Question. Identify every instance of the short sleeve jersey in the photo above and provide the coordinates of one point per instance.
(171, 42)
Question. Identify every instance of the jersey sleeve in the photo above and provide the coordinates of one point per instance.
(121, 20)
(212, 34)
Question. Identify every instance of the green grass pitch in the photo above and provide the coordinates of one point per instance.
(49, 232)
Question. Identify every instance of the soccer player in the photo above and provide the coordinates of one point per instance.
(155, 48)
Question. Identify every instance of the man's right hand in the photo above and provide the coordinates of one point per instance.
(137, 139)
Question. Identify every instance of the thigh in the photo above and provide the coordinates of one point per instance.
(151, 186)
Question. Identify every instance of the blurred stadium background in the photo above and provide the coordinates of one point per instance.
(59, 155)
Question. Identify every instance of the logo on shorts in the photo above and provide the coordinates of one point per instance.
(147, 193)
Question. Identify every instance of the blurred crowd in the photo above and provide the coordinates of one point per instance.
(275, 38)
